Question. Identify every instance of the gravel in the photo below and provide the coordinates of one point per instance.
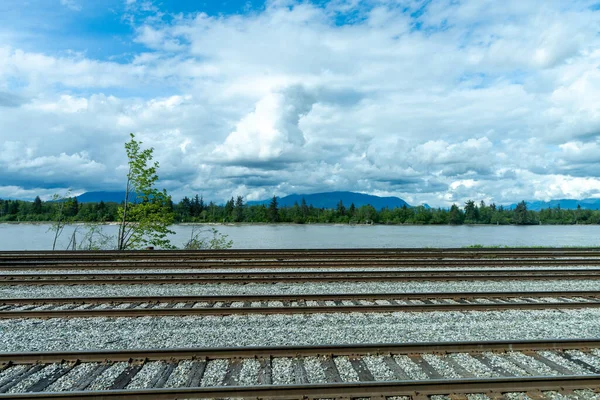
(473, 365)
(30, 380)
(314, 370)
(249, 372)
(587, 394)
(580, 355)
(504, 363)
(28, 291)
(10, 372)
(143, 378)
(536, 366)
(214, 373)
(66, 382)
(378, 368)
(105, 380)
(410, 367)
(477, 396)
(441, 366)
(347, 372)
(299, 329)
(516, 396)
(180, 374)
(283, 371)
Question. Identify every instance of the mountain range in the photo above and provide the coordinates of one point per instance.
(319, 200)
(331, 200)
(96, 197)
(565, 204)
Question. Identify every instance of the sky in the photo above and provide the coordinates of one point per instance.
(433, 101)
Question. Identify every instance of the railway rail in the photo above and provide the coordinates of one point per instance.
(315, 258)
(288, 276)
(357, 262)
(418, 370)
(292, 304)
(344, 252)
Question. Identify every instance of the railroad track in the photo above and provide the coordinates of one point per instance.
(279, 254)
(417, 370)
(357, 262)
(292, 304)
(287, 276)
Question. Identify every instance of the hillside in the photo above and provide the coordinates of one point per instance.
(331, 200)
(565, 204)
(96, 197)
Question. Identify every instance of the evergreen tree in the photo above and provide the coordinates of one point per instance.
(229, 206)
(239, 209)
(471, 212)
(304, 210)
(521, 216)
(456, 216)
(184, 208)
(37, 205)
(273, 210)
(341, 210)
(352, 210)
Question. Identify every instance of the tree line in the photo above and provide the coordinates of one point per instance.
(236, 210)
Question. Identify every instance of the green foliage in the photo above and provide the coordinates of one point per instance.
(94, 238)
(216, 240)
(193, 209)
(273, 210)
(146, 212)
(60, 218)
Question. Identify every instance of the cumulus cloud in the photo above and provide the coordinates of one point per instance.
(271, 132)
(435, 102)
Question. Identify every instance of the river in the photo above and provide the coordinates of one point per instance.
(37, 237)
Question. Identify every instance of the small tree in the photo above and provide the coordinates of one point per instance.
(218, 241)
(145, 214)
(60, 220)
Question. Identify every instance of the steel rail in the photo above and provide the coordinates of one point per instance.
(255, 253)
(221, 311)
(311, 263)
(364, 387)
(288, 309)
(298, 351)
(354, 389)
(287, 276)
(295, 297)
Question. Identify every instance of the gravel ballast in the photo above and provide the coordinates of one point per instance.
(29, 291)
(302, 329)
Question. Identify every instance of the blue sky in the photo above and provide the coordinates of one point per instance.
(100, 29)
(432, 101)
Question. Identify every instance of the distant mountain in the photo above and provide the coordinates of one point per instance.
(565, 204)
(331, 200)
(96, 197)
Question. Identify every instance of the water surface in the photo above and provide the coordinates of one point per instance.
(37, 237)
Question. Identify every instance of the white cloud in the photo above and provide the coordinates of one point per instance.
(271, 131)
(71, 4)
(472, 99)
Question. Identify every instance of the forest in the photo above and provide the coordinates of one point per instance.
(195, 209)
